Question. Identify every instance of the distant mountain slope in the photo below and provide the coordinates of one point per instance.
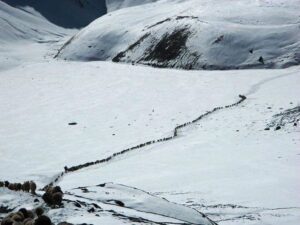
(16, 24)
(64, 13)
(113, 5)
(193, 34)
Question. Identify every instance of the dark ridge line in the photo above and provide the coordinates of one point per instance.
(176, 19)
(122, 54)
(164, 139)
(63, 47)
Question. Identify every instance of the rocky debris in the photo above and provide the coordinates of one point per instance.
(261, 60)
(119, 57)
(287, 117)
(163, 52)
(169, 47)
(219, 39)
(5, 209)
(91, 210)
(117, 202)
(77, 204)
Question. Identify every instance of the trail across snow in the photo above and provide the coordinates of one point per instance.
(222, 163)
(213, 153)
(257, 86)
(254, 88)
(163, 139)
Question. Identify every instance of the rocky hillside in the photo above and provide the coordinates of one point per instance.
(194, 34)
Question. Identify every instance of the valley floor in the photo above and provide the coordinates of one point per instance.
(228, 165)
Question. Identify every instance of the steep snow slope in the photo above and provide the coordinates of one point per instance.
(26, 36)
(16, 25)
(113, 5)
(194, 34)
(64, 13)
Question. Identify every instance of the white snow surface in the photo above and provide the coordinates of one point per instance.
(20, 28)
(144, 202)
(226, 166)
(113, 5)
(17, 24)
(194, 34)
(210, 166)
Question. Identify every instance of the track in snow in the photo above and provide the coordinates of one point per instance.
(163, 139)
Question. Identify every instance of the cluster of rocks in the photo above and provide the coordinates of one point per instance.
(27, 186)
(29, 217)
(287, 117)
(53, 196)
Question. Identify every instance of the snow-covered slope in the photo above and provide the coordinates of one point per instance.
(26, 36)
(226, 165)
(64, 13)
(113, 5)
(237, 165)
(16, 25)
(194, 34)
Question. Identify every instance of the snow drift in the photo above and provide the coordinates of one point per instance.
(194, 34)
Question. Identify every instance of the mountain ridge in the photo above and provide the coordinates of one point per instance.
(194, 35)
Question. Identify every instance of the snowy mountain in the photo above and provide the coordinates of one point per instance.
(194, 34)
(138, 145)
(63, 13)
